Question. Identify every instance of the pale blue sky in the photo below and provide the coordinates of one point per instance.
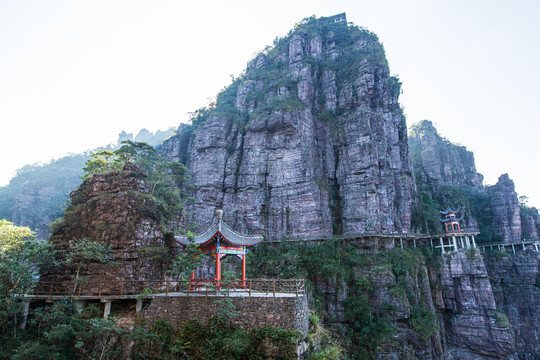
(73, 74)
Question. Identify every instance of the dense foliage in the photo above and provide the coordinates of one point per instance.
(338, 263)
(61, 332)
(220, 339)
(21, 256)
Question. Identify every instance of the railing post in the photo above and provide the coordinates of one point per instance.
(99, 288)
(274, 287)
(296, 286)
(50, 290)
(167, 287)
(249, 287)
(122, 287)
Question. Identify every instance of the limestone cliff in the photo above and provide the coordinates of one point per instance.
(309, 142)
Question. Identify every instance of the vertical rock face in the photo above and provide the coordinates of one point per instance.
(530, 223)
(439, 161)
(310, 142)
(443, 170)
(506, 210)
(113, 210)
(515, 284)
(473, 328)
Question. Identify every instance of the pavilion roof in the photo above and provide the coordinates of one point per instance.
(449, 211)
(227, 234)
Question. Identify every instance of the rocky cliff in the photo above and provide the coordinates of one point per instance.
(114, 210)
(446, 176)
(516, 284)
(309, 142)
(506, 209)
(473, 327)
(439, 161)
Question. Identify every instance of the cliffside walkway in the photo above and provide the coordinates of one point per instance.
(197, 287)
(444, 242)
(515, 246)
(125, 289)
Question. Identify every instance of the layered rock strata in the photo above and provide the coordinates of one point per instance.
(516, 285)
(439, 161)
(114, 210)
(310, 142)
(474, 329)
(506, 209)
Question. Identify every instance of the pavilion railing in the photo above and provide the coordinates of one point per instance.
(129, 288)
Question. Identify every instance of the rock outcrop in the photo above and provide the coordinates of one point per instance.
(506, 209)
(516, 284)
(310, 142)
(114, 210)
(473, 327)
(439, 161)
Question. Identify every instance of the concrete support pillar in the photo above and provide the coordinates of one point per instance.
(138, 307)
(513, 249)
(442, 245)
(454, 241)
(26, 309)
(523, 244)
(467, 242)
(473, 242)
(79, 306)
(536, 247)
(107, 310)
(414, 242)
(431, 240)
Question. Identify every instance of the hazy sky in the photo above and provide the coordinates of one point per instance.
(74, 74)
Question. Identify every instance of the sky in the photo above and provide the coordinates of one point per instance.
(74, 74)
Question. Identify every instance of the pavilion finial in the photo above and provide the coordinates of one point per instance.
(219, 214)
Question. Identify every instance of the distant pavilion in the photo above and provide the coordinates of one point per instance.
(219, 240)
(450, 221)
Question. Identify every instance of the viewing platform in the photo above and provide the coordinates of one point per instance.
(280, 302)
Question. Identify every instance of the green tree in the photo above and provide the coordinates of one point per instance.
(21, 257)
(166, 178)
(84, 252)
(188, 260)
(100, 162)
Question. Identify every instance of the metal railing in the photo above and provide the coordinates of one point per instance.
(129, 287)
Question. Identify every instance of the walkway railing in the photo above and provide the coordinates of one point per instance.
(128, 287)
(521, 245)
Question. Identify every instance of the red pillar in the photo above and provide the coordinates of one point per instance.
(244, 271)
(218, 267)
(192, 281)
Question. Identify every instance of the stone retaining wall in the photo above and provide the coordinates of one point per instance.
(253, 312)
